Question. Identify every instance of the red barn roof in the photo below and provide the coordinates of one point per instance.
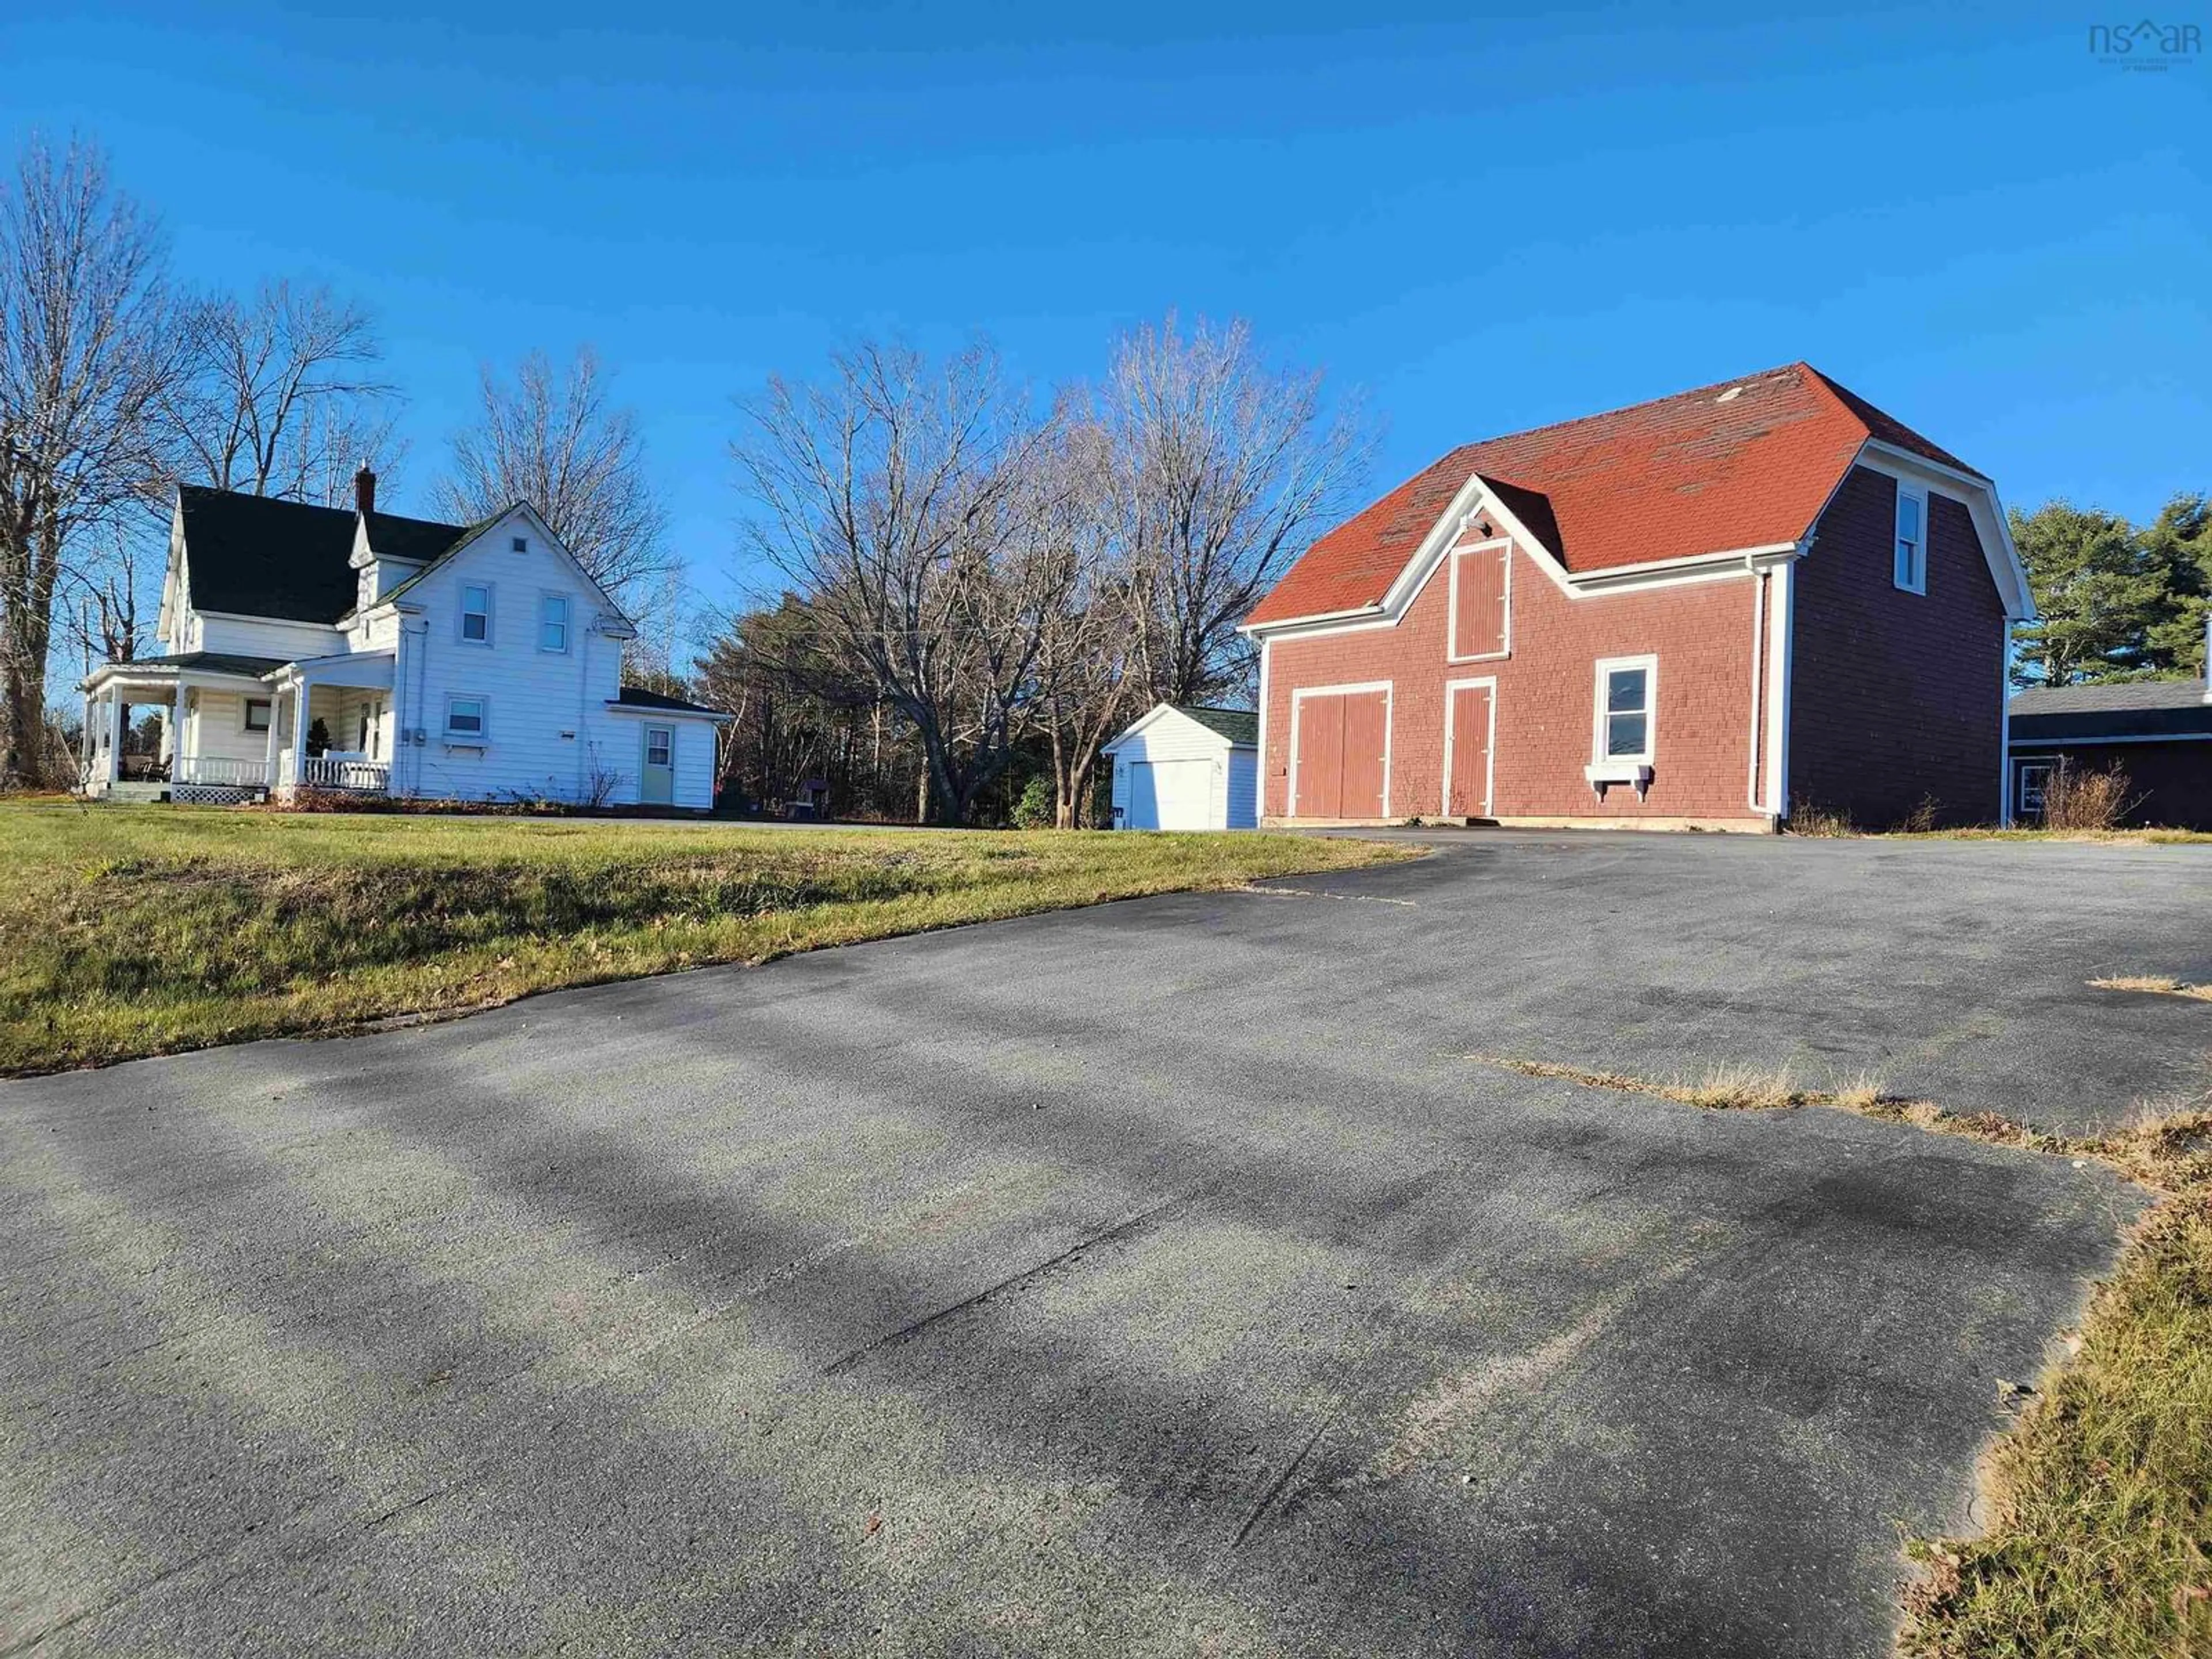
(1739, 464)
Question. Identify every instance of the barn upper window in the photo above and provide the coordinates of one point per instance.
(1910, 568)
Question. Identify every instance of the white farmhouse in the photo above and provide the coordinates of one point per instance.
(1185, 766)
(310, 647)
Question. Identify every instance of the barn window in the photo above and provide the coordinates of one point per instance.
(1625, 734)
(1910, 571)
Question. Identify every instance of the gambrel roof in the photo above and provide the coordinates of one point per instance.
(1740, 464)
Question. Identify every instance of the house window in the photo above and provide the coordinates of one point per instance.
(476, 614)
(520, 543)
(2034, 780)
(553, 622)
(256, 713)
(465, 718)
(1911, 571)
(660, 743)
(1625, 701)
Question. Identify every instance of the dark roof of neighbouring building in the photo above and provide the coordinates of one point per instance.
(2147, 709)
(636, 696)
(1743, 463)
(258, 556)
(1240, 726)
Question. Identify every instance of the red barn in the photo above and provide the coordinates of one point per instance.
(1704, 612)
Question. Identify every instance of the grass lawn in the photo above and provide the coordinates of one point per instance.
(141, 930)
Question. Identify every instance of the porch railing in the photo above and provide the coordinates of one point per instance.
(362, 777)
(221, 771)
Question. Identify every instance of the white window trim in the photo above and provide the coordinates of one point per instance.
(1622, 768)
(1452, 689)
(1918, 494)
(245, 715)
(651, 727)
(1389, 728)
(567, 623)
(491, 614)
(480, 739)
(1502, 545)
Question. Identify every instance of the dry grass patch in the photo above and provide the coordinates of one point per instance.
(2100, 1545)
(2153, 984)
(130, 931)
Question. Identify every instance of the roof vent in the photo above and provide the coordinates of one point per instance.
(1731, 395)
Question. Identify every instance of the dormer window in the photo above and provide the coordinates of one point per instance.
(1909, 571)
(476, 613)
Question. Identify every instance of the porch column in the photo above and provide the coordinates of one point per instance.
(300, 700)
(275, 709)
(177, 734)
(114, 734)
(87, 743)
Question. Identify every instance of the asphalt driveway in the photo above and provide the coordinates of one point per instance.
(1156, 1278)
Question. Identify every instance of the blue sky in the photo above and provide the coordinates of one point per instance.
(1482, 220)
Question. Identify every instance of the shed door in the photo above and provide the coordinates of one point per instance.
(1171, 795)
(658, 775)
(1467, 762)
(1343, 737)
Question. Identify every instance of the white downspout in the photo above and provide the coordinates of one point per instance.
(1757, 687)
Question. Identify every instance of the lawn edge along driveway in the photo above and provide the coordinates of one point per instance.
(129, 932)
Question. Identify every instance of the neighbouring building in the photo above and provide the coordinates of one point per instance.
(312, 647)
(2159, 733)
(1762, 596)
(1185, 766)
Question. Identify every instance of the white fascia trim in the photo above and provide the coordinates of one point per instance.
(2018, 745)
(1474, 502)
(1980, 497)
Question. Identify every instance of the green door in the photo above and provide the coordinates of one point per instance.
(659, 788)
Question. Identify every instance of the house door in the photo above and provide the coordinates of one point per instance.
(658, 781)
(1468, 727)
(1341, 755)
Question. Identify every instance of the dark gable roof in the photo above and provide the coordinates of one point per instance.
(419, 540)
(2146, 709)
(209, 662)
(1240, 726)
(636, 696)
(262, 557)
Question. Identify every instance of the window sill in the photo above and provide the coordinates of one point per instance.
(462, 740)
(1618, 771)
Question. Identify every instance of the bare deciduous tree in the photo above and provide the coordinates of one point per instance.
(282, 398)
(87, 352)
(1223, 468)
(908, 506)
(560, 445)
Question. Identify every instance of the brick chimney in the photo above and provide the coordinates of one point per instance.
(364, 490)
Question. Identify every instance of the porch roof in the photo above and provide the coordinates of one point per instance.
(219, 664)
(369, 670)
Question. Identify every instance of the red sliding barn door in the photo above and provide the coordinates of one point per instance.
(1342, 744)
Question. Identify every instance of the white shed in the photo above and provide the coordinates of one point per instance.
(1183, 767)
